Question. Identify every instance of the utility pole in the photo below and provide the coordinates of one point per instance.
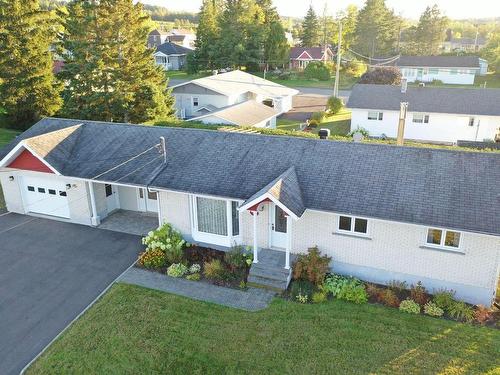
(337, 70)
(401, 126)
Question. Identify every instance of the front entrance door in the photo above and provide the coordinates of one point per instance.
(278, 227)
(148, 201)
(111, 198)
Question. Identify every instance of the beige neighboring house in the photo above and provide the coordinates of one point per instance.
(222, 90)
(249, 113)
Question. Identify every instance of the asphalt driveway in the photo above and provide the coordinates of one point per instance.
(49, 272)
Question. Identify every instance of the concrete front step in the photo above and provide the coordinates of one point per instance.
(266, 282)
(270, 273)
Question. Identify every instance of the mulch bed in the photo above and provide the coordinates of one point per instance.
(200, 255)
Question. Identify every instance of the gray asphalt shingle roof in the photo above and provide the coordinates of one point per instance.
(451, 189)
(427, 99)
(169, 48)
(439, 61)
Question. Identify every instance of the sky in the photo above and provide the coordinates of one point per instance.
(455, 9)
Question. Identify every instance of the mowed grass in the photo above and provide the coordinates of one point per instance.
(339, 124)
(133, 330)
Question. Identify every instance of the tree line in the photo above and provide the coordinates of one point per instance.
(239, 33)
(108, 74)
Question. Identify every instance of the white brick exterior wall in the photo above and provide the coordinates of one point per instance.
(79, 204)
(392, 250)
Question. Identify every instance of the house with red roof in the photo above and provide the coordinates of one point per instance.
(300, 57)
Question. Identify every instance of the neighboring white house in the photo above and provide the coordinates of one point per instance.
(434, 114)
(226, 89)
(464, 44)
(171, 56)
(184, 38)
(249, 113)
(448, 69)
(381, 212)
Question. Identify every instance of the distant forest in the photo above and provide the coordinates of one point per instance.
(157, 13)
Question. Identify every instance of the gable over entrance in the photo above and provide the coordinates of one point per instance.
(27, 161)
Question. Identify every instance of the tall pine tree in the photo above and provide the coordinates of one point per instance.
(208, 33)
(376, 30)
(276, 46)
(430, 31)
(28, 88)
(110, 73)
(310, 35)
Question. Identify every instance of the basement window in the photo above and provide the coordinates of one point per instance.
(31, 188)
(443, 238)
(353, 224)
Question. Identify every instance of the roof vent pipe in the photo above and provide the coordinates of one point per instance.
(404, 85)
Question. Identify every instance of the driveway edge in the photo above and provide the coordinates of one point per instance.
(75, 319)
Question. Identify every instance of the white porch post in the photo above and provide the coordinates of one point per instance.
(255, 249)
(94, 219)
(288, 241)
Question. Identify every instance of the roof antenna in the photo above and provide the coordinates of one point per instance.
(163, 149)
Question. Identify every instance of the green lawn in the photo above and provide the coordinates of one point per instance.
(133, 330)
(346, 82)
(338, 124)
(179, 74)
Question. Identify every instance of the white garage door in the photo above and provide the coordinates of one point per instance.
(45, 196)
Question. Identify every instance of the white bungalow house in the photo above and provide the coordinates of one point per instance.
(381, 212)
(434, 114)
(195, 97)
(460, 70)
(249, 113)
(171, 56)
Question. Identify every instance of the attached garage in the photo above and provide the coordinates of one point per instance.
(45, 196)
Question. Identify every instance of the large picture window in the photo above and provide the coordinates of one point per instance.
(212, 216)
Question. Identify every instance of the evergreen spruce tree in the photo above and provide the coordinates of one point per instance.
(430, 31)
(275, 44)
(28, 88)
(311, 31)
(110, 73)
(376, 30)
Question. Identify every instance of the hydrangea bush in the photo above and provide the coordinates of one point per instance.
(168, 240)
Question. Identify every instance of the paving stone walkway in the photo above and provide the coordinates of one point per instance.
(253, 299)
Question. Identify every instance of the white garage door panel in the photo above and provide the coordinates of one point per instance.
(45, 196)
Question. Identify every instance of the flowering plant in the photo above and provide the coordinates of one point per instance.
(177, 270)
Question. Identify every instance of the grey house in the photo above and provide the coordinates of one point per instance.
(171, 56)
(381, 212)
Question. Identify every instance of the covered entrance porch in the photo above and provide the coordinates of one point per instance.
(124, 208)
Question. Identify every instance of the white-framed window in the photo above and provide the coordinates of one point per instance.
(196, 102)
(215, 221)
(434, 71)
(352, 224)
(420, 118)
(472, 121)
(454, 71)
(375, 115)
(443, 238)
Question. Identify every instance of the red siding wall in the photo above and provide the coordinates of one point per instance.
(27, 161)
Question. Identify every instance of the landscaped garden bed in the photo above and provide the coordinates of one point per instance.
(312, 283)
(168, 253)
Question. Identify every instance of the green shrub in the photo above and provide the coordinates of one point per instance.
(301, 288)
(334, 105)
(389, 298)
(313, 123)
(382, 76)
(430, 308)
(152, 258)
(444, 299)
(177, 270)
(461, 311)
(317, 70)
(334, 283)
(193, 277)
(360, 130)
(311, 266)
(353, 292)
(319, 297)
(168, 240)
(409, 306)
(355, 68)
(214, 270)
(318, 117)
(239, 257)
(418, 293)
